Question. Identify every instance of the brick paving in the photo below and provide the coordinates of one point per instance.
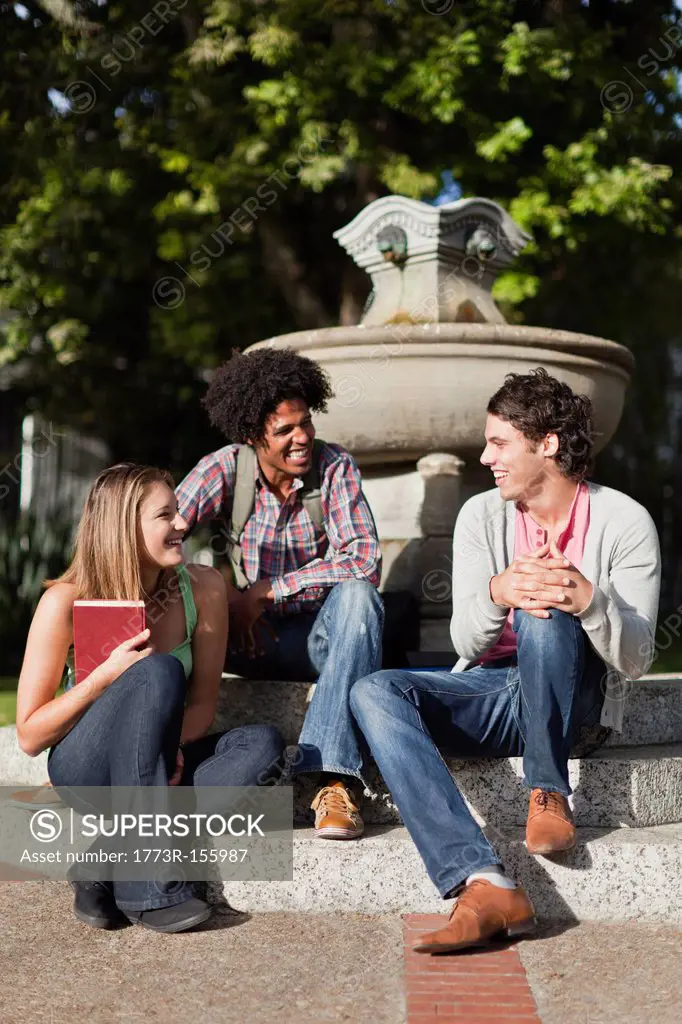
(481, 986)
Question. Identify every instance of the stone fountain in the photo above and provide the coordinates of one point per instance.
(413, 378)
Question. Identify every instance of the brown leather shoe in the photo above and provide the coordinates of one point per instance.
(550, 827)
(336, 816)
(481, 911)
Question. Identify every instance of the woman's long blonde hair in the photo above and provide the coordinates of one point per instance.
(106, 559)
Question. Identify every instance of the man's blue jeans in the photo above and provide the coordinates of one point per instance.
(130, 735)
(532, 708)
(335, 646)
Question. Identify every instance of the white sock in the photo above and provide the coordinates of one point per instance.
(495, 875)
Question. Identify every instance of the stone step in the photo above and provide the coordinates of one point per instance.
(15, 766)
(637, 783)
(638, 787)
(626, 874)
(653, 712)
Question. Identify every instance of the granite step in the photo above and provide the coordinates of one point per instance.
(653, 712)
(637, 787)
(612, 875)
(15, 766)
(635, 780)
(621, 875)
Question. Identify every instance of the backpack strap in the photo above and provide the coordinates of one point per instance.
(311, 494)
(244, 500)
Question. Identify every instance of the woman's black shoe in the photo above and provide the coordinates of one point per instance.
(179, 918)
(94, 904)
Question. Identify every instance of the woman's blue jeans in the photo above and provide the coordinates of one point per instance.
(534, 708)
(130, 736)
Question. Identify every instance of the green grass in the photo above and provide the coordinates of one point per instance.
(8, 700)
(670, 659)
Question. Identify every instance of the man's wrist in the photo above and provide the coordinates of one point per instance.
(492, 589)
(263, 590)
(587, 600)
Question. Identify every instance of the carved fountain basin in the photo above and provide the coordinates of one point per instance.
(404, 390)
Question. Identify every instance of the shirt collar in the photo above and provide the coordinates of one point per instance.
(262, 482)
(581, 492)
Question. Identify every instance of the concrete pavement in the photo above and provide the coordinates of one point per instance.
(314, 968)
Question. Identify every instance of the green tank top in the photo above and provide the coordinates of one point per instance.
(183, 652)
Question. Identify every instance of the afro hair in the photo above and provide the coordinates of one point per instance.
(248, 388)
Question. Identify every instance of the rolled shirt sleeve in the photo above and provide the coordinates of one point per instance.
(207, 490)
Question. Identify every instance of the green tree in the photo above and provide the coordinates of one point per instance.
(181, 203)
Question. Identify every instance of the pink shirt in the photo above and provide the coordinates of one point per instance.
(528, 536)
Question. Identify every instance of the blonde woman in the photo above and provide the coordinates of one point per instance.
(141, 718)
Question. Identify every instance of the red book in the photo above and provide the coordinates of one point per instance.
(99, 627)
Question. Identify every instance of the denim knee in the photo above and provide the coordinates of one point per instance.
(261, 745)
(266, 742)
(161, 678)
(358, 598)
(261, 740)
(544, 628)
(369, 692)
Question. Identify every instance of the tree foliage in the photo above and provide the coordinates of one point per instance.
(179, 199)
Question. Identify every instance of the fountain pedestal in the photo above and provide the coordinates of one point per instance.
(417, 544)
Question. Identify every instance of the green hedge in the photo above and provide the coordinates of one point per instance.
(30, 552)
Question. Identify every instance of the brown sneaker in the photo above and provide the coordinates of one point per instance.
(336, 816)
(550, 827)
(481, 911)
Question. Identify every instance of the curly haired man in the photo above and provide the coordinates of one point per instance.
(306, 604)
(555, 596)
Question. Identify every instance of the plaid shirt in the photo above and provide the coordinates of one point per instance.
(280, 542)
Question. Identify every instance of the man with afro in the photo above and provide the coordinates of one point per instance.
(308, 606)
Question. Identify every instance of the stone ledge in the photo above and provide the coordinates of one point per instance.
(627, 874)
(635, 787)
(653, 712)
(15, 765)
(632, 786)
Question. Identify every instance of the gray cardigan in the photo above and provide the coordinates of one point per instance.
(621, 559)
